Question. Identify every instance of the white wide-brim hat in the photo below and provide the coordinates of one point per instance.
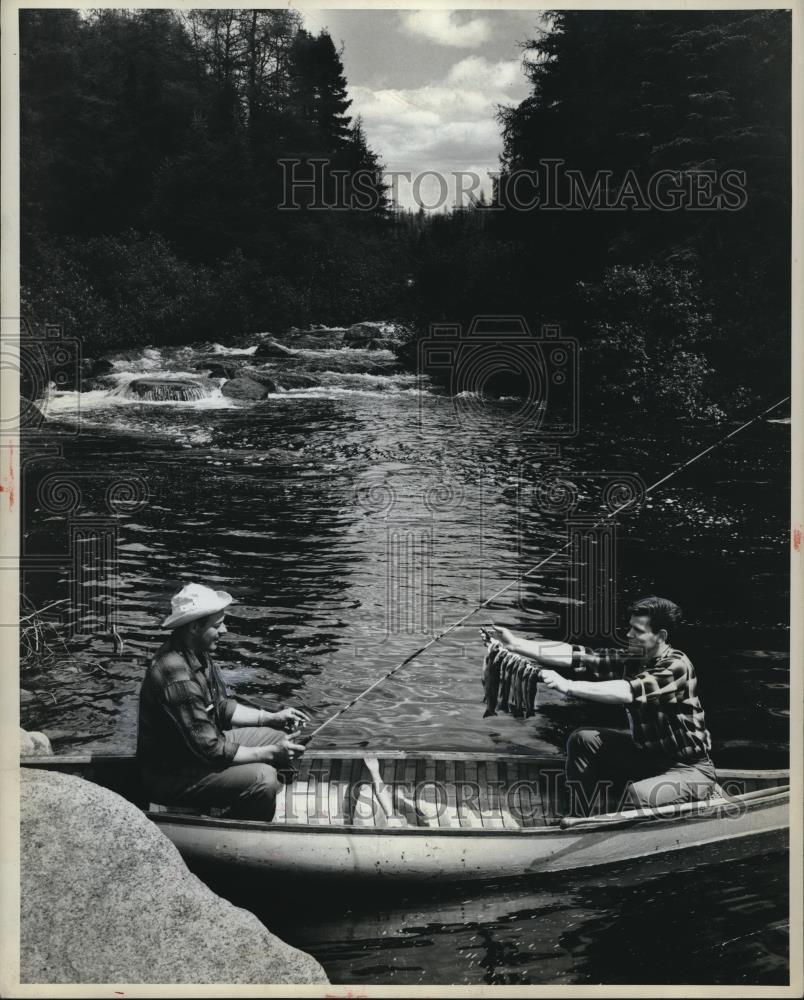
(195, 601)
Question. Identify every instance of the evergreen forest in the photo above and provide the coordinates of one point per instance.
(151, 186)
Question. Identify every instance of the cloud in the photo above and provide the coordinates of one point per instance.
(446, 28)
(482, 75)
(453, 120)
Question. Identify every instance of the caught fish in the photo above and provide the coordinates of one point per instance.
(510, 682)
(491, 678)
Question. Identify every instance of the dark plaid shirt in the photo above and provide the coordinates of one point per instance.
(665, 716)
(183, 711)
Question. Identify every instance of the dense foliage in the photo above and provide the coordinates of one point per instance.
(678, 310)
(151, 182)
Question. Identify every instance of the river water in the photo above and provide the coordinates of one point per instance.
(354, 519)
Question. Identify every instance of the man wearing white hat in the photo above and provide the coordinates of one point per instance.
(197, 746)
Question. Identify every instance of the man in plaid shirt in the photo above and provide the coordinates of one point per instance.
(665, 757)
(196, 746)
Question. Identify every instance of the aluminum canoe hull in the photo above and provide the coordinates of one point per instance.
(418, 855)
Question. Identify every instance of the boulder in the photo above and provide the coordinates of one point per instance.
(265, 377)
(93, 373)
(320, 338)
(107, 898)
(272, 349)
(376, 335)
(165, 390)
(34, 745)
(244, 387)
(353, 362)
(93, 367)
(298, 380)
(244, 340)
(216, 367)
(31, 416)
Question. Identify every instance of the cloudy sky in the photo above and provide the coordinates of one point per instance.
(426, 84)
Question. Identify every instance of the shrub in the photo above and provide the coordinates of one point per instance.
(644, 330)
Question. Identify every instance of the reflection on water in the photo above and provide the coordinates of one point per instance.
(627, 924)
(353, 520)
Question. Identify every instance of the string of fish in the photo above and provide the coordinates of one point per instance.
(510, 682)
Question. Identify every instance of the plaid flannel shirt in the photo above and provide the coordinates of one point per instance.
(666, 716)
(183, 711)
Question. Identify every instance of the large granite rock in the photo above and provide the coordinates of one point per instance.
(106, 898)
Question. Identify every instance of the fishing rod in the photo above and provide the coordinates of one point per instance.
(460, 621)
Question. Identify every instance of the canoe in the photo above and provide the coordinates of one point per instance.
(453, 816)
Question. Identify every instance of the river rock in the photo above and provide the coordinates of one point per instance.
(165, 389)
(272, 349)
(31, 416)
(376, 335)
(107, 898)
(100, 366)
(222, 367)
(320, 338)
(34, 745)
(355, 363)
(245, 387)
(297, 380)
(265, 376)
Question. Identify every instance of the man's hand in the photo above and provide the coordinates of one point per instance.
(280, 754)
(546, 654)
(284, 751)
(290, 718)
(503, 635)
(556, 682)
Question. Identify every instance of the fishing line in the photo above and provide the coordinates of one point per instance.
(533, 569)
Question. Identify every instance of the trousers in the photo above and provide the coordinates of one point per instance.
(246, 791)
(606, 771)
